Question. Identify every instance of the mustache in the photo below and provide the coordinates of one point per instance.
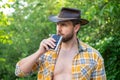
(59, 33)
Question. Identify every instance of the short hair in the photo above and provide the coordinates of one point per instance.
(75, 22)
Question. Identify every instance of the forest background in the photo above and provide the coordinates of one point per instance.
(24, 23)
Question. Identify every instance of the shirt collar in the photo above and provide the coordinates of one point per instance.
(81, 46)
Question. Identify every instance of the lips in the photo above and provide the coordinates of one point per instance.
(59, 33)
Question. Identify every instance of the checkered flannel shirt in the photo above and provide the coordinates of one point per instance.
(88, 64)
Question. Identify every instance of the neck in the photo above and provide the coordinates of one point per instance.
(70, 44)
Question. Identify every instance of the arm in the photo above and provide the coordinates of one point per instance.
(26, 65)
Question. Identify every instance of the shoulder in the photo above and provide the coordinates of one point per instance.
(87, 49)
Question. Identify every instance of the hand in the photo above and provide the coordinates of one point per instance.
(45, 44)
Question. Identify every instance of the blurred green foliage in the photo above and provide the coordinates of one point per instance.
(21, 32)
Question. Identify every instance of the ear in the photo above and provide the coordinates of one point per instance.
(76, 28)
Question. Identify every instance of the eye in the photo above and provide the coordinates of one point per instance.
(63, 24)
(57, 23)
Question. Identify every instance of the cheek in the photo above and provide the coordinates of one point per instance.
(65, 29)
(68, 31)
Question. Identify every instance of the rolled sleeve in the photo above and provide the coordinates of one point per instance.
(20, 73)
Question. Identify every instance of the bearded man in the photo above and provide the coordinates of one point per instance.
(74, 60)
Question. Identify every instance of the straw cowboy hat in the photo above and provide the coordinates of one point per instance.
(68, 14)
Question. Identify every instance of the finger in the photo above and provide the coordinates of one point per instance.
(52, 39)
(48, 43)
(52, 42)
(45, 46)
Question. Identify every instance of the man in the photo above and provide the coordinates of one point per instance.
(74, 60)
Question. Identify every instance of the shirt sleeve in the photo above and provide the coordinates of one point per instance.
(99, 71)
(20, 73)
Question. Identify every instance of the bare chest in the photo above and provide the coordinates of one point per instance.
(63, 67)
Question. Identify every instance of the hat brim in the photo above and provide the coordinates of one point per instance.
(57, 19)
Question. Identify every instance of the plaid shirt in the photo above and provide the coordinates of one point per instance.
(88, 64)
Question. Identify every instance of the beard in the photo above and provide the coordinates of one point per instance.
(67, 37)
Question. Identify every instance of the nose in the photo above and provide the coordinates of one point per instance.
(58, 28)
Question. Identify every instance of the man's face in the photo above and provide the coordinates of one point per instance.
(65, 29)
